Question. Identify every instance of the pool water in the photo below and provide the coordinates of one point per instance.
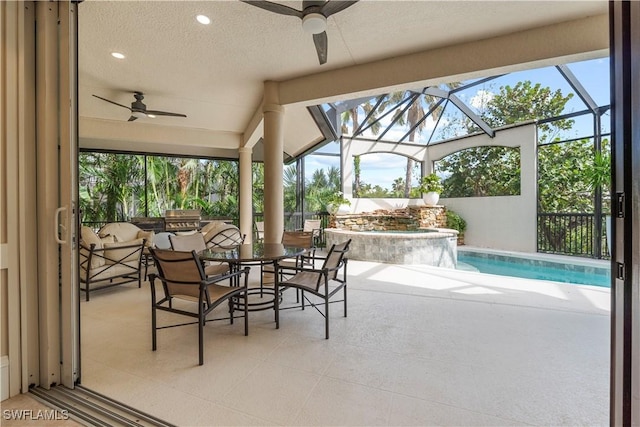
(534, 269)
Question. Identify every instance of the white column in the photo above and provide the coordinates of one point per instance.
(273, 164)
(246, 193)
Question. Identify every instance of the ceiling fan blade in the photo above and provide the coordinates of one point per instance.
(321, 42)
(331, 7)
(132, 118)
(119, 105)
(275, 7)
(164, 113)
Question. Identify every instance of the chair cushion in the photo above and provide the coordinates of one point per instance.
(188, 243)
(161, 240)
(113, 253)
(123, 231)
(225, 235)
(148, 235)
(210, 226)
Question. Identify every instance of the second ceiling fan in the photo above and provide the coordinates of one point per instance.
(314, 16)
(139, 109)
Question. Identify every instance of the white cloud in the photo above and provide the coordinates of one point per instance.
(481, 98)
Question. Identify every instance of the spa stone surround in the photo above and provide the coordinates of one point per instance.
(414, 235)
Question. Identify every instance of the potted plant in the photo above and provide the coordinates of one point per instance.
(337, 203)
(430, 187)
(456, 222)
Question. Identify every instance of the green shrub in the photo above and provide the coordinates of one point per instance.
(456, 222)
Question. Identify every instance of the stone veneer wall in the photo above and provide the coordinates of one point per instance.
(409, 218)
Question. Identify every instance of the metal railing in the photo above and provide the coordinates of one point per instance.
(572, 234)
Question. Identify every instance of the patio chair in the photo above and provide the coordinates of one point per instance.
(195, 242)
(317, 281)
(298, 239)
(224, 236)
(259, 231)
(104, 262)
(182, 277)
(314, 226)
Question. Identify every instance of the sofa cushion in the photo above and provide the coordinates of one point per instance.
(89, 237)
(109, 271)
(107, 239)
(114, 252)
(123, 231)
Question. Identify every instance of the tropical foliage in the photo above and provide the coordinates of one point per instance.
(481, 172)
(113, 187)
(495, 171)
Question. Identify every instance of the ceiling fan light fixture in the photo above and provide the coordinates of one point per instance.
(138, 114)
(314, 23)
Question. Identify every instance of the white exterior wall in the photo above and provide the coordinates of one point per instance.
(501, 222)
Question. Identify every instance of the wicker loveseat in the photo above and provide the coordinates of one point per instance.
(113, 256)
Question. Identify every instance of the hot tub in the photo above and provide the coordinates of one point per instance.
(436, 247)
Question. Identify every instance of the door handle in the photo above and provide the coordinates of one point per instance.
(58, 226)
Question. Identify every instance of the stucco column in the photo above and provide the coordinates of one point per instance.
(273, 114)
(246, 193)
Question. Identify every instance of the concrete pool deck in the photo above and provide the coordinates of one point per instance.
(421, 346)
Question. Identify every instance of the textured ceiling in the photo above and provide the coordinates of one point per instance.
(214, 74)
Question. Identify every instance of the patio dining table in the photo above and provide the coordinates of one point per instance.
(257, 253)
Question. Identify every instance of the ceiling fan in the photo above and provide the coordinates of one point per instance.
(314, 16)
(139, 109)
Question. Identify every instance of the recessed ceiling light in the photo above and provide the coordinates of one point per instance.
(117, 55)
(203, 19)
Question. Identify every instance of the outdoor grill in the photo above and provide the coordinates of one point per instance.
(182, 220)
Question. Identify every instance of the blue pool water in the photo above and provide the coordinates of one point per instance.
(535, 269)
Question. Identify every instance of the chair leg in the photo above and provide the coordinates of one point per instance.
(276, 301)
(154, 340)
(345, 299)
(231, 302)
(200, 335)
(246, 314)
(326, 314)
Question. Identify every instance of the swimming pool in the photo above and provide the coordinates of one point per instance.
(585, 272)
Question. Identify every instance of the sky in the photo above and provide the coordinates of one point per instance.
(382, 169)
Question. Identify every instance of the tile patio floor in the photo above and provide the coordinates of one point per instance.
(421, 346)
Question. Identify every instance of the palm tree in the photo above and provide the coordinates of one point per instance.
(351, 116)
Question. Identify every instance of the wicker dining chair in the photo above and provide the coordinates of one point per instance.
(183, 277)
(317, 281)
